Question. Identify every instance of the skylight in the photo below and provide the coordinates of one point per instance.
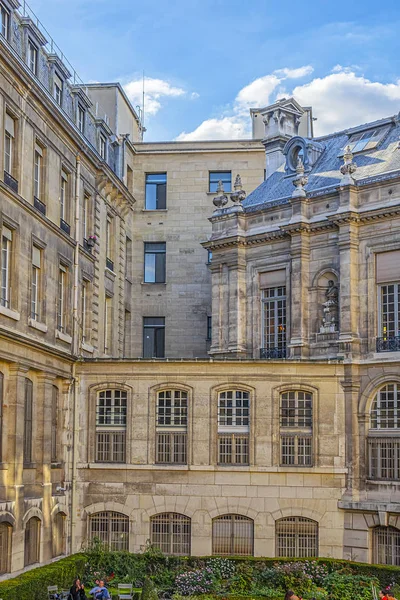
(366, 140)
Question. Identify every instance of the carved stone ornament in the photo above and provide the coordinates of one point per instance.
(300, 181)
(222, 199)
(348, 168)
(331, 309)
(239, 194)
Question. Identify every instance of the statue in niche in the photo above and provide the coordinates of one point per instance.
(331, 309)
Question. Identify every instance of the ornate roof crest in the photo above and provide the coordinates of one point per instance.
(222, 199)
(348, 168)
(299, 181)
(239, 194)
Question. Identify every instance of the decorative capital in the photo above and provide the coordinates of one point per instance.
(220, 200)
(299, 181)
(348, 168)
(239, 194)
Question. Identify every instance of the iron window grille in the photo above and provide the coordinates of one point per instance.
(296, 537)
(389, 318)
(386, 546)
(171, 533)
(5, 547)
(171, 427)
(296, 428)
(112, 528)
(233, 427)
(156, 191)
(111, 411)
(233, 535)
(32, 541)
(384, 434)
(215, 176)
(385, 410)
(273, 323)
(209, 328)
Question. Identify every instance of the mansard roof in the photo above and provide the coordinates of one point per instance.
(382, 162)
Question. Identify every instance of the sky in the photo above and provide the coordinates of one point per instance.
(206, 62)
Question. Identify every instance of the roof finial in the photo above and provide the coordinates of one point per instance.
(299, 181)
(239, 194)
(348, 168)
(220, 200)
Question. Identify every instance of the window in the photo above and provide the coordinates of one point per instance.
(384, 434)
(6, 255)
(389, 321)
(127, 333)
(108, 325)
(32, 541)
(171, 532)
(64, 200)
(54, 425)
(28, 422)
(386, 546)
(366, 140)
(109, 243)
(5, 547)
(112, 528)
(233, 535)
(216, 176)
(36, 283)
(233, 427)
(111, 410)
(129, 178)
(59, 535)
(37, 171)
(84, 310)
(156, 191)
(5, 22)
(62, 290)
(209, 257)
(296, 428)
(85, 215)
(1, 417)
(296, 537)
(209, 328)
(129, 259)
(154, 262)
(171, 427)
(80, 118)
(58, 89)
(32, 57)
(103, 146)
(9, 138)
(274, 322)
(153, 337)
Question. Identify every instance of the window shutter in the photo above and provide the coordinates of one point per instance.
(10, 125)
(388, 266)
(272, 279)
(36, 257)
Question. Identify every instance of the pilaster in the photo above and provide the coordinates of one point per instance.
(349, 342)
(300, 257)
(237, 308)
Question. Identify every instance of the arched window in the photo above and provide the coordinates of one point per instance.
(5, 547)
(171, 427)
(111, 528)
(296, 537)
(386, 546)
(111, 426)
(296, 428)
(233, 535)
(233, 427)
(384, 434)
(59, 534)
(170, 532)
(32, 541)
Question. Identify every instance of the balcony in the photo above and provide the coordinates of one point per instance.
(11, 182)
(388, 344)
(270, 353)
(64, 226)
(39, 205)
(109, 264)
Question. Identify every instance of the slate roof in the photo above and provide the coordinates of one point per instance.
(382, 162)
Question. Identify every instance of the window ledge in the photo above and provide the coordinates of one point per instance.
(111, 274)
(153, 283)
(64, 337)
(31, 465)
(8, 312)
(56, 465)
(386, 355)
(87, 348)
(37, 325)
(155, 210)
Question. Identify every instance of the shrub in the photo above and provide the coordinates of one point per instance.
(349, 587)
(200, 581)
(149, 591)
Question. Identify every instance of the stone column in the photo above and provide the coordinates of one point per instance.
(237, 308)
(354, 447)
(349, 342)
(220, 300)
(300, 257)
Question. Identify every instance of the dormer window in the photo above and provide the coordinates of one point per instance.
(366, 140)
(57, 89)
(103, 146)
(32, 57)
(301, 148)
(5, 22)
(80, 118)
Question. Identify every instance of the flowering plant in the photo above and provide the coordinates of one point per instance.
(196, 582)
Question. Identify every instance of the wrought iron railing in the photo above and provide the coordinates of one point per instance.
(388, 344)
(64, 226)
(39, 205)
(11, 182)
(273, 352)
(109, 264)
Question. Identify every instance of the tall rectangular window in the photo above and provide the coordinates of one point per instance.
(36, 283)
(9, 137)
(388, 288)
(85, 215)
(5, 22)
(80, 118)
(216, 176)
(154, 262)
(274, 322)
(62, 288)
(296, 428)
(84, 309)
(64, 196)
(111, 409)
(127, 333)
(6, 255)
(153, 337)
(57, 89)
(209, 328)
(54, 425)
(37, 172)
(108, 325)
(233, 427)
(109, 244)
(171, 427)
(156, 191)
(28, 422)
(32, 57)
(129, 258)
(103, 146)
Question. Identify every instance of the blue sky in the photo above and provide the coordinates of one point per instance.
(207, 61)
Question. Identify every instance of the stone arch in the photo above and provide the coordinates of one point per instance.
(7, 517)
(370, 391)
(107, 385)
(32, 512)
(109, 506)
(170, 504)
(324, 274)
(60, 507)
(241, 510)
(297, 511)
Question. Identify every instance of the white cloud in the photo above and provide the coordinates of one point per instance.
(295, 73)
(227, 128)
(155, 91)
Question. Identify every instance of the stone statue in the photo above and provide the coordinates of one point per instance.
(220, 200)
(239, 194)
(331, 309)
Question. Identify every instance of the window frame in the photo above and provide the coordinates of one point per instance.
(54, 446)
(171, 438)
(62, 297)
(170, 525)
(279, 339)
(396, 310)
(36, 283)
(110, 519)
(28, 447)
(383, 436)
(160, 202)
(297, 536)
(233, 439)
(5, 22)
(7, 247)
(156, 327)
(160, 264)
(107, 433)
(395, 547)
(225, 180)
(33, 53)
(80, 117)
(296, 436)
(5, 547)
(232, 519)
(32, 536)
(10, 145)
(58, 90)
(103, 146)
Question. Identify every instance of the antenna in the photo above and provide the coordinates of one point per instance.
(143, 129)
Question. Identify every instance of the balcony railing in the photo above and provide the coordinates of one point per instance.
(388, 344)
(271, 352)
(64, 226)
(39, 205)
(11, 182)
(109, 264)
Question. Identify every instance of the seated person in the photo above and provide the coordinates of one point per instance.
(77, 591)
(100, 592)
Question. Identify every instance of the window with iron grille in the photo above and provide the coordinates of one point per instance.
(171, 532)
(171, 427)
(112, 528)
(111, 411)
(384, 434)
(32, 541)
(5, 547)
(36, 283)
(386, 546)
(274, 319)
(296, 537)
(233, 535)
(233, 427)
(296, 428)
